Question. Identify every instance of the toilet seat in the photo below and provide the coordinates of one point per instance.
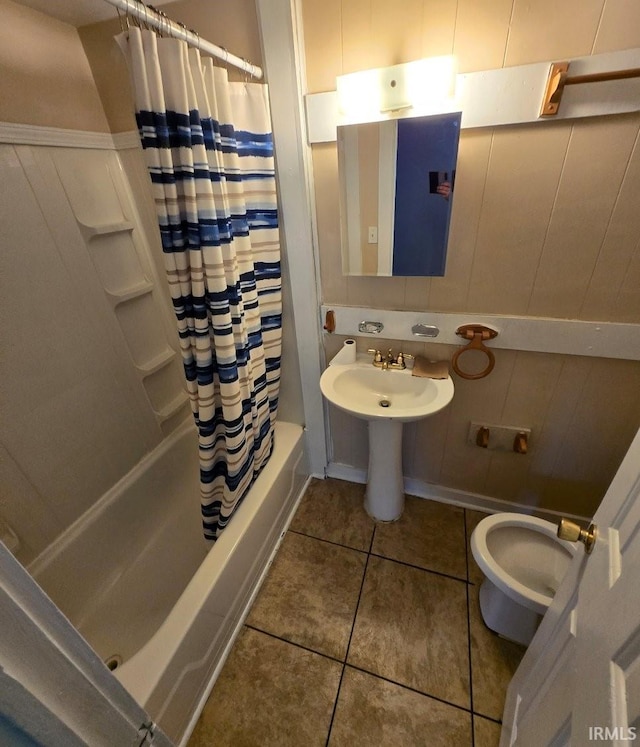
(532, 559)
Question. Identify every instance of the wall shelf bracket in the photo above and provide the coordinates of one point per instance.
(559, 78)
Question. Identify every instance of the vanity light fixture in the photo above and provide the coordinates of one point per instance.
(425, 86)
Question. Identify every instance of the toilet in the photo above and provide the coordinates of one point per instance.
(524, 562)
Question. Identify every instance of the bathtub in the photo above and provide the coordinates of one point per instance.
(157, 602)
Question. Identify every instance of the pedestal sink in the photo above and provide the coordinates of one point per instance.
(386, 399)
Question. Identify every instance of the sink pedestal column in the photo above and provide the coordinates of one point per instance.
(384, 498)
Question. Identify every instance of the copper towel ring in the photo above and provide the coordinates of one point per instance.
(477, 333)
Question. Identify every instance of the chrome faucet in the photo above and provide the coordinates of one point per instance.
(390, 361)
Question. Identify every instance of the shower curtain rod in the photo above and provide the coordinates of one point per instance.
(163, 23)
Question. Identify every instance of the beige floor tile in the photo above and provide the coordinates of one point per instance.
(411, 628)
(310, 594)
(334, 510)
(269, 694)
(485, 733)
(428, 534)
(473, 518)
(494, 661)
(371, 711)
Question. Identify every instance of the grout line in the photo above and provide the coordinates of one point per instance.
(408, 687)
(466, 552)
(329, 542)
(373, 536)
(421, 568)
(293, 643)
(353, 624)
(488, 718)
(384, 557)
(335, 705)
(372, 674)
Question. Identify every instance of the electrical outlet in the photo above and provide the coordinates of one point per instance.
(500, 437)
(373, 235)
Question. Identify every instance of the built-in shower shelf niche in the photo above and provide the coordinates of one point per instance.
(142, 289)
(162, 361)
(108, 219)
(106, 229)
(171, 409)
(137, 315)
(165, 386)
(116, 258)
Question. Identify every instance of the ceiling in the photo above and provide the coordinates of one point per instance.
(78, 12)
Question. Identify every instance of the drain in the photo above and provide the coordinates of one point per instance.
(384, 403)
(113, 662)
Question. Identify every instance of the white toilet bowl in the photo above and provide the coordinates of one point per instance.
(524, 562)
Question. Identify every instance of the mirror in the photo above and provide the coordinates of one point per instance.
(397, 182)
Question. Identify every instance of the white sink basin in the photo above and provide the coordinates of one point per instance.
(372, 393)
(386, 399)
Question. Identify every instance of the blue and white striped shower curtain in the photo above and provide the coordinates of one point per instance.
(209, 151)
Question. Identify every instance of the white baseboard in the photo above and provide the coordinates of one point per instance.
(454, 497)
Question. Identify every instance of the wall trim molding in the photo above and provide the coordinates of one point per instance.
(452, 496)
(529, 333)
(126, 140)
(26, 134)
(508, 95)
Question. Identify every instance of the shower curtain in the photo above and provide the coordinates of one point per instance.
(209, 151)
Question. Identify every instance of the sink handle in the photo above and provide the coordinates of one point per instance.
(377, 355)
(401, 359)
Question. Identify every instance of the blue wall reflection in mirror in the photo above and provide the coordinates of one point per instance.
(397, 181)
(425, 180)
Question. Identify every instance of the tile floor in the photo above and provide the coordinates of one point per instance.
(364, 634)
